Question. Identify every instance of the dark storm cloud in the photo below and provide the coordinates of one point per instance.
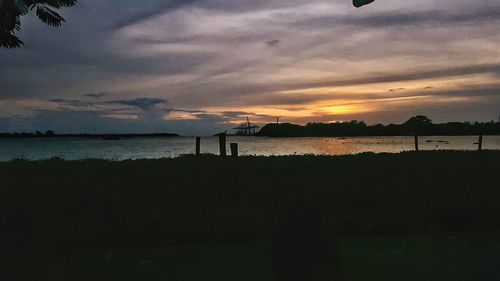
(103, 62)
(262, 93)
(397, 19)
(273, 43)
(154, 9)
(474, 15)
(157, 8)
(79, 54)
(234, 114)
(186, 110)
(396, 89)
(291, 101)
(115, 116)
(142, 103)
(228, 118)
(140, 108)
(412, 76)
(74, 121)
(212, 58)
(95, 95)
(485, 91)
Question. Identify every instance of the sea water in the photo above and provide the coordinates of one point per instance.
(161, 147)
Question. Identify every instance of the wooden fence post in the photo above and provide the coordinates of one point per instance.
(198, 141)
(234, 149)
(416, 142)
(480, 143)
(222, 144)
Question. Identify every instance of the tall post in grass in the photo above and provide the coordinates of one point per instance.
(198, 141)
(234, 149)
(480, 143)
(222, 144)
(416, 142)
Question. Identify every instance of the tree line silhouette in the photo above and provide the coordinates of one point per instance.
(418, 125)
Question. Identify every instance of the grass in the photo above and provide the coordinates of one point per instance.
(222, 261)
(62, 209)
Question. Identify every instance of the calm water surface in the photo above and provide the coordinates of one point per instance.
(136, 148)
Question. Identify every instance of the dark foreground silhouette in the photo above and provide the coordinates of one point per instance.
(418, 125)
(11, 12)
(360, 3)
(302, 249)
(252, 218)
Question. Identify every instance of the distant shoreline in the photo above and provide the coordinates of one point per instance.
(92, 136)
(416, 126)
(160, 135)
(369, 136)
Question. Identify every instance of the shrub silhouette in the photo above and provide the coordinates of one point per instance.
(417, 125)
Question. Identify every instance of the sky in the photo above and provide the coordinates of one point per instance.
(201, 67)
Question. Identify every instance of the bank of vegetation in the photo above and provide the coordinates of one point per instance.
(418, 125)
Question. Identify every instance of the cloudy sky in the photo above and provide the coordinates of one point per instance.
(199, 67)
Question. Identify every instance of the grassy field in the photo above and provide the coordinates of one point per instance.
(66, 216)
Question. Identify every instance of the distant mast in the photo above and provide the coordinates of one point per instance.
(246, 128)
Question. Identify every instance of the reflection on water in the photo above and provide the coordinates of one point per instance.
(80, 148)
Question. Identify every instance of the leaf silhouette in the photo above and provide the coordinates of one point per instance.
(11, 12)
(359, 3)
(49, 16)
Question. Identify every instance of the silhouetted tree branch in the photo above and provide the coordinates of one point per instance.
(11, 12)
(359, 3)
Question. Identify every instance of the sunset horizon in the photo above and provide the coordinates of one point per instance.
(276, 140)
(200, 67)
